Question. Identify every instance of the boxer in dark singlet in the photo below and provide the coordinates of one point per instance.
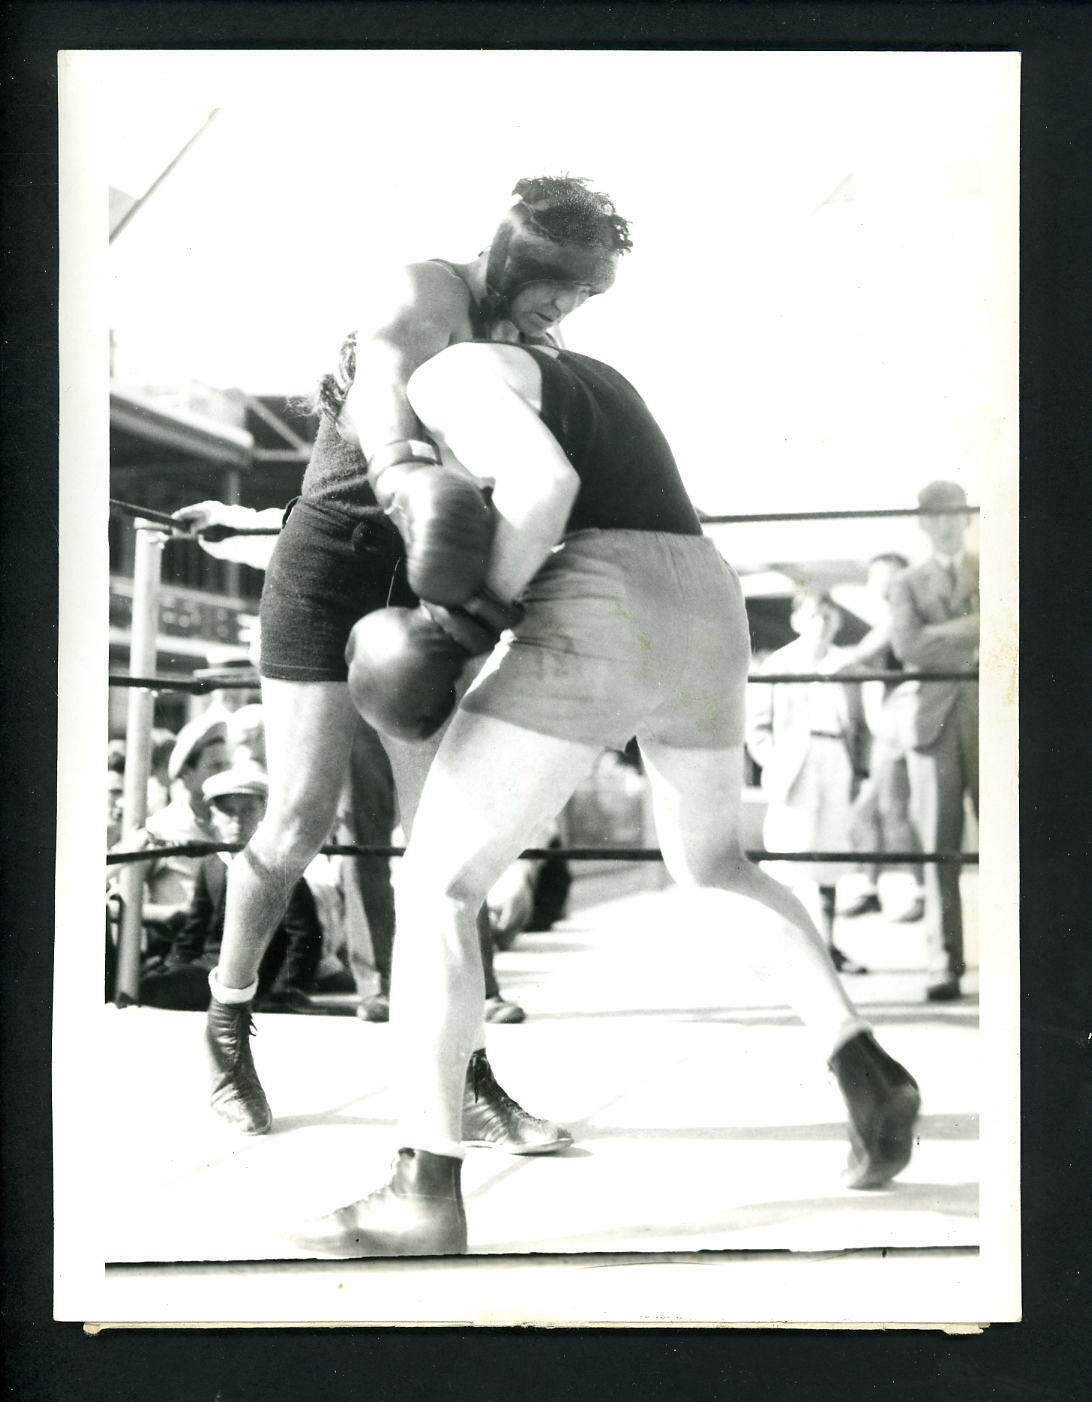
(632, 625)
(340, 556)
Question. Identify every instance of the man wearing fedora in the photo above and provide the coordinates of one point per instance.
(935, 627)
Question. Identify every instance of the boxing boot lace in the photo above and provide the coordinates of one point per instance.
(493, 1120)
(237, 1095)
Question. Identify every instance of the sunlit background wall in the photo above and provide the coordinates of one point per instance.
(816, 306)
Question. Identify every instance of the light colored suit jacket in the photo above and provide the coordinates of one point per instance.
(778, 730)
(934, 628)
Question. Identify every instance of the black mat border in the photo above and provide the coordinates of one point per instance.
(1045, 1357)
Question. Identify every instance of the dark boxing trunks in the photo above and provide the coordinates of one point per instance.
(328, 569)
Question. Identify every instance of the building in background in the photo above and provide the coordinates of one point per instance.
(170, 447)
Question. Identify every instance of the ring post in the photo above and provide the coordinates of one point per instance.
(147, 570)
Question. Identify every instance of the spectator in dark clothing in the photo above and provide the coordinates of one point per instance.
(115, 789)
(236, 799)
(935, 628)
(881, 819)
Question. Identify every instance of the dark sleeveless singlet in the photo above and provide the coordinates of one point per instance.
(629, 480)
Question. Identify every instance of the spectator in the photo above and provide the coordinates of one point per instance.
(367, 810)
(237, 799)
(159, 782)
(881, 819)
(226, 700)
(935, 627)
(809, 741)
(200, 751)
(115, 787)
(344, 927)
(115, 811)
(115, 756)
(376, 1006)
(550, 888)
(246, 735)
(531, 894)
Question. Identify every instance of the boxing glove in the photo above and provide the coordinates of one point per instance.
(403, 670)
(477, 624)
(444, 519)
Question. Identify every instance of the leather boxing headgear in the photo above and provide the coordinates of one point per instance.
(556, 231)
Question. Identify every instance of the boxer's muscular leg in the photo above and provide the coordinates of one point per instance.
(308, 731)
(697, 803)
(471, 823)
(410, 764)
(697, 798)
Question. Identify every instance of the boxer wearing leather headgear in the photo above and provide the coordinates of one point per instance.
(341, 556)
(556, 232)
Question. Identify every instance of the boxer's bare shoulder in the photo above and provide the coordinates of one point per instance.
(418, 298)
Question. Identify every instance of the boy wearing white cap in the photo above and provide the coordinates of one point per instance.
(236, 798)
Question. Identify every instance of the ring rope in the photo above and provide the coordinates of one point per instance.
(213, 533)
(126, 508)
(572, 854)
(200, 685)
(837, 515)
(219, 532)
(197, 686)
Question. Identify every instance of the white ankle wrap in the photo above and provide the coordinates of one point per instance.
(223, 994)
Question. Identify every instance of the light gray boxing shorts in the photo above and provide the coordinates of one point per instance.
(625, 633)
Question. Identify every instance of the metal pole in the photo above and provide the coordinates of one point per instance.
(232, 493)
(139, 204)
(147, 569)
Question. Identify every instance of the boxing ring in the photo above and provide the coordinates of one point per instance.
(702, 1122)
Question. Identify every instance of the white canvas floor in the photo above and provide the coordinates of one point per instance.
(703, 1121)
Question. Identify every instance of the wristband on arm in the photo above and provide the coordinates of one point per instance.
(443, 517)
(477, 624)
(402, 451)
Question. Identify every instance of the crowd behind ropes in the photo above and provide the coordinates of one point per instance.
(868, 767)
(207, 784)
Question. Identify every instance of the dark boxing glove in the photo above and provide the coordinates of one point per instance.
(403, 670)
(443, 518)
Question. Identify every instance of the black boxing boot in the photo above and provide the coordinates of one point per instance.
(883, 1102)
(418, 1213)
(493, 1120)
(237, 1095)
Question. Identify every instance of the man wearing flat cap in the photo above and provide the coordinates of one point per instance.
(237, 799)
(935, 627)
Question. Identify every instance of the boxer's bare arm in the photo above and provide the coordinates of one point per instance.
(482, 403)
(419, 312)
